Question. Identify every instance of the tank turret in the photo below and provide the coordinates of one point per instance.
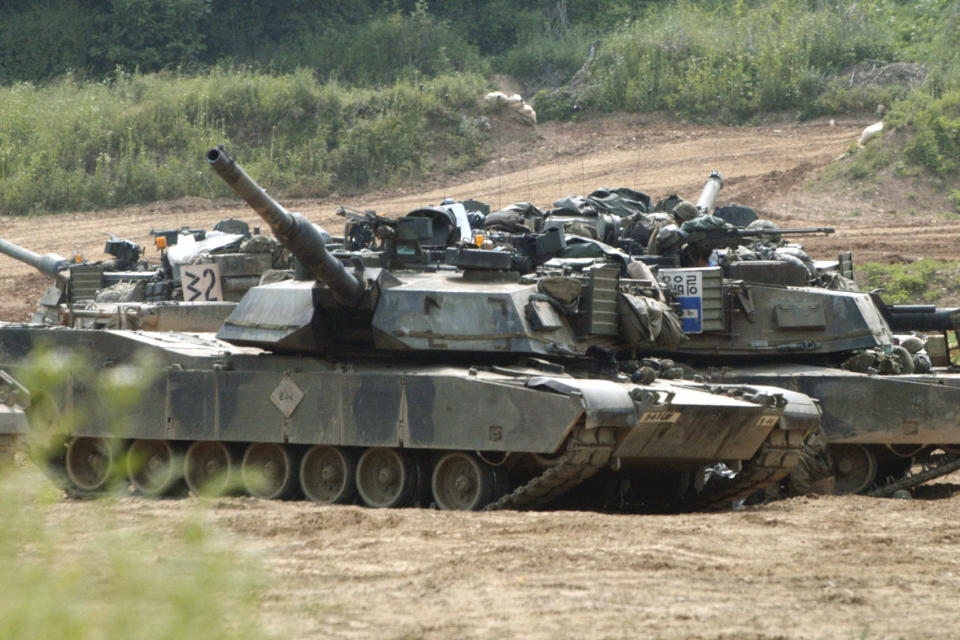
(458, 298)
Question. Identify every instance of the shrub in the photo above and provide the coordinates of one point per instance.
(141, 137)
(923, 281)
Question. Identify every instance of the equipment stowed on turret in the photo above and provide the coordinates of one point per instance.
(771, 315)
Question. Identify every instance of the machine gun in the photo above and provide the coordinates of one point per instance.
(732, 237)
(126, 254)
(360, 232)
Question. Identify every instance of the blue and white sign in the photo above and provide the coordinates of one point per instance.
(687, 287)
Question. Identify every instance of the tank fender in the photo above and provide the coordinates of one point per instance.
(605, 403)
(801, 412)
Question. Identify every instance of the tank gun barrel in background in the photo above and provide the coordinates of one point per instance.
(922, 317)
(296, 233)
(49, 264)
(709, 194)
(799, 231)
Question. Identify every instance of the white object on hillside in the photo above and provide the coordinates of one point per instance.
(869, 133)
(514, 101)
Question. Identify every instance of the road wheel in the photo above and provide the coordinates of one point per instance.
(90, 463)
(854, 467)
(269, 471)
(328, 475)
(386, 477)
(462, 481)
(153, 467)
(210, 468)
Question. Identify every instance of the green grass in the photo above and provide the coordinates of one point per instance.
(107, 569)
(73, 145)
(730, 61)
(354, 98)
(924, 281)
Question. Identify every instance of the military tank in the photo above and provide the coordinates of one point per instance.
(397, 379)
(790, 321)
(759, 310)
(193, 288)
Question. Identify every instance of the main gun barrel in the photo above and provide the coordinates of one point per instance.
(50, 264)
(296, 233)
(908, 317)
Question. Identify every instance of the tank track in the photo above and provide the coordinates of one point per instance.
(587, 451)
(778, 456)
(933, 467)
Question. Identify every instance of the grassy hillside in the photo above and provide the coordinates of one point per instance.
(140, 137)
(114, 104)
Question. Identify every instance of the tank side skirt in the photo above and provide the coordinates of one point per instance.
(428, 411)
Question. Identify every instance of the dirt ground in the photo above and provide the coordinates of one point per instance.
(810, 567)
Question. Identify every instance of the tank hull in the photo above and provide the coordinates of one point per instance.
(201, 389)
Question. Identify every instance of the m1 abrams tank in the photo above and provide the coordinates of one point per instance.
(803, 325)
(772, 315)
(195, 286)
(401, 378)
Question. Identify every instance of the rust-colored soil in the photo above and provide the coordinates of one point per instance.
(828, 567)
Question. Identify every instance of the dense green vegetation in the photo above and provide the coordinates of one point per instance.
(107, 102)
(135, 138)
(923, 281)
